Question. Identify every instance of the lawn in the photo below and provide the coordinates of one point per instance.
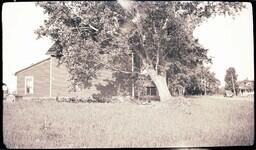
(192, 122)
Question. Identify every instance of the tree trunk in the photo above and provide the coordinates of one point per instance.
(161, 85)
(205, 88)
(234, 90)
(133, 86)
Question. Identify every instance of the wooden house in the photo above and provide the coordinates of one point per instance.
(48, 78)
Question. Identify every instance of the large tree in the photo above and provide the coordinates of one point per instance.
(160, 33)
(231, 80)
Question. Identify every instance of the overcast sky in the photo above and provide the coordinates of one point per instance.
(230, 42)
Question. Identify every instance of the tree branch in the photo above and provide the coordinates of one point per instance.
(93, 28)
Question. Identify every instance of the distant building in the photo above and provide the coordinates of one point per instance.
(246, 87)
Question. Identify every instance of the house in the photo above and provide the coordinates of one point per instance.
(48, 78)
(246, 87)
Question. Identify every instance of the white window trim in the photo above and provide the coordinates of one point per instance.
(27, 77)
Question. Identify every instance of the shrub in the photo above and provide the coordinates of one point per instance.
(94, 99)
(100, 99)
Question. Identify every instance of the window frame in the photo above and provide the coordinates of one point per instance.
(150, 91)
(32, 80)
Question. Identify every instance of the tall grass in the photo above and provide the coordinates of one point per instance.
(204, 121)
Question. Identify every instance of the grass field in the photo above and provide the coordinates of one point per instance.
(194, 122)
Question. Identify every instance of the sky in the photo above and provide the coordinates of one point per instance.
(230, 41)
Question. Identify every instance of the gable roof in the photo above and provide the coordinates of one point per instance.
(55, 49)
(31, 66)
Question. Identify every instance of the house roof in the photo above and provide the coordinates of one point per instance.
(31, 66)
(148, 83)
(244, 84)
(245, 81)
(55, 49)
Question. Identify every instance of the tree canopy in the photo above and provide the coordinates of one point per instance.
(96, 34)
(231, 80)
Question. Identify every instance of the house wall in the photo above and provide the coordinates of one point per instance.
(106, 84)
(41, 80)
(51, 79)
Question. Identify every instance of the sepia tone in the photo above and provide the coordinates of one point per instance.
(128, 80)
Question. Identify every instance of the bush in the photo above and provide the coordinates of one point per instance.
(93, 99)
(101, 99)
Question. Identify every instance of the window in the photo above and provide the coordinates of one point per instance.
(151, 90)
(29, 85)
